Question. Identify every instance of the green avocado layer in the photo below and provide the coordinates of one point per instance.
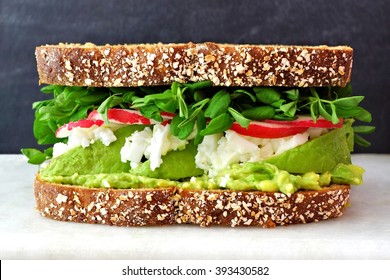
(319, 155)
(316, 163)
(95, 159)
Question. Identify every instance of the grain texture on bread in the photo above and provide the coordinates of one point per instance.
(223, 64)
(143, 207)
(119, 207)
(264, 209)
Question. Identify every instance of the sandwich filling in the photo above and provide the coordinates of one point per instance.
(199, 137)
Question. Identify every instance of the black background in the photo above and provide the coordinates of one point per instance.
(24, 24)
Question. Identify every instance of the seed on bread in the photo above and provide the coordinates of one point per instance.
(223, 64)
(142, 207)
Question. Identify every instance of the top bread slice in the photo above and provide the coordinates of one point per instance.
(223, 64)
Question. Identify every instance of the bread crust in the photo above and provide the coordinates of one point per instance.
(149, 207)
(119, 207)
(262, 209)
(223, 64)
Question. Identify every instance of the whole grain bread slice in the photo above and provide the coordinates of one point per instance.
(119, 207)
(150, 207)
(223, 64)
(262, 209)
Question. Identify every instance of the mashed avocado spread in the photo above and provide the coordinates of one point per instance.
(317, 163)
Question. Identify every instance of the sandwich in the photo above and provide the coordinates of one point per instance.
(195, 133)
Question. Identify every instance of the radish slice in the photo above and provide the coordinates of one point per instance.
(64, 131)
(121, 116)
(124, 116)
(267, 130)
(306, 121)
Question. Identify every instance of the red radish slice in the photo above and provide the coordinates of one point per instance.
(167, 115)
(115, 116)
(64, 131)
(84, 124)
(94, 115)
(267, 130)
(306, 121)
(124, 116)
(121, 116)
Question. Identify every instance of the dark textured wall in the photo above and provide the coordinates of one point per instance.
(25, 24)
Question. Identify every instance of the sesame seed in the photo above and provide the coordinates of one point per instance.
(61, 198)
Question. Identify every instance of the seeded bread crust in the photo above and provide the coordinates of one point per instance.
(223, 64)
(116, 207)
(149, 207)
(261, 209)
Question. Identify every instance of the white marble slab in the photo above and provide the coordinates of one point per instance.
(363, 232)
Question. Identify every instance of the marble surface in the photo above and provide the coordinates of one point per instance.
(363, 232)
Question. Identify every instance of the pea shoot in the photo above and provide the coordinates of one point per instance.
(198, 106)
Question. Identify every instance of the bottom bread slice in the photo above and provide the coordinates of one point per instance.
(141, 207)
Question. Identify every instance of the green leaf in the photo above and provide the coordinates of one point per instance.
(63, 102)
(181, 131)
(47, 113)
(122, 90)
(292, 94)
(103, 108)
(48, 89)
(348, 112)
(314, 111)
(289, 109)
(218, 105)
(335, 119)
(34, 156)
(200, 125)
(152, 112)
(364, 129)
(158, 96)
(314, 93)
(43, 133)
(174, 87)
(48, 152)
(247, 93)
(81, 113)
(278, 103)
(323, 112)
(183, 109)
(166, 101)
(167, 106)
(48, 139)
(361, 141)
(52, 88)
(244, 122)
(217, 125)
(199, 95)
(243, 106)
(52, 124)
(352, 101)
(39, 104)
(58, 90)
(259, 113)
(128, 96)
(195, 110)
(354, 112)
(267, 95)
(177, 92)
(364, 115)
(91, 98)
(198, 85)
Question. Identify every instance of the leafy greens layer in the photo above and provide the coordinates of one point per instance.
(210, 109)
